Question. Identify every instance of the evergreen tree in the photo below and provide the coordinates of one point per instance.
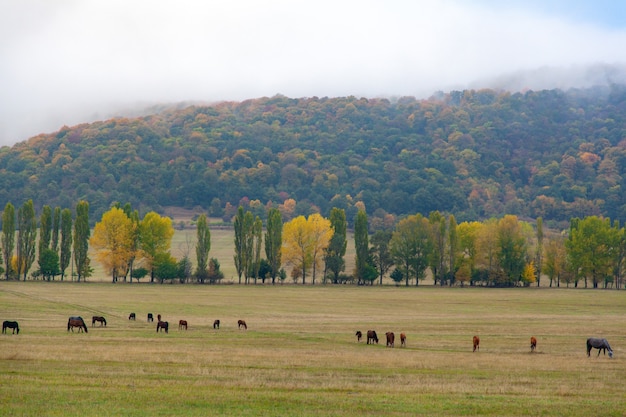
(8, 237)
(274, 241)
(81, 240)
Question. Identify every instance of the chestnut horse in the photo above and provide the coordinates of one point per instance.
(182, 324)
(390, 338)
(476, 341)
(402, 340)
(216, 324)
(533, 343)
(372, 336)
(100, 319)
(10, 325)
(76, 321)
(358, 335)
(242, 323)
(163, 325)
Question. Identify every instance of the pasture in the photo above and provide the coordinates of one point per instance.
(299, 355)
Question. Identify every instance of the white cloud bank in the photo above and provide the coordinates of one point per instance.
(65, 62)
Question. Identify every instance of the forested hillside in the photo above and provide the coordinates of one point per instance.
(475, 154)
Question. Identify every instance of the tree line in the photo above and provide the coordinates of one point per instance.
(500, 252)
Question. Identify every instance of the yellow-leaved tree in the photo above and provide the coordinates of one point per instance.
(304, 242)
(155, 238)
(113, 241)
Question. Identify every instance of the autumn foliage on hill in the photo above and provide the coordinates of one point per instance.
(477, 154)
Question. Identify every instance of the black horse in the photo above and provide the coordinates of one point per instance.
(10, 325)
(99, 319)
(216, 324)
(600, 344)
(150, 317)
(131, 316)
(372, 337)
(163, 325)
(76, 321)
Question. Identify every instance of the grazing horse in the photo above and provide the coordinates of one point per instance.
(533, 343)
(371, 336)
(101, 319)
(402, 340)
(216, 324)
(76, 321)
(131, 316)
(390, 338)
(476, 341)
(600, 344)
(181, 324)
(150, 317)
(358, 335)
(163, 325)
(242, 323)
(158, 317)
(10, 325)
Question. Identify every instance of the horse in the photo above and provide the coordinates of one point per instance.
(242, 323)
(216, 324)
(600, 344)
(390, 338)
(150, 317)
(101, 319)
(533, 343)
(402, 340)
(7, 324)
(76, 321)
(476, 341)
(181, 324)
(158, 317)
(163, 325)
(371, 336)
(131, 316)
(358, 335)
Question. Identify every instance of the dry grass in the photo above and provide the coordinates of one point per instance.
(300, 357)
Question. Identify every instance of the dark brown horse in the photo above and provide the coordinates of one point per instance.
(7, 324)
(100, 319)
(163, 325)
(242, 323)
(533, 343)
(372, 337)
(182, 324)
(150, 317)
(358, 335)
(131, 316)
(476, 341)
(390, 339)
(216, 324)
(76, 321)
(402, 340)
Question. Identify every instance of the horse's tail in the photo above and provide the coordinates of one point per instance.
(588, 347)
(104, 321)
(68, 324)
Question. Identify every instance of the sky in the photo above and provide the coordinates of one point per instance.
(66, 62)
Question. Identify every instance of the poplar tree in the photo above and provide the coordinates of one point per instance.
(539, 255)
(361, 246)
(45, 233)
(81, 240)
(334, 259)
(66, 241)
(239, 256)
(56, 224)
(257, 237)
(27, 237)
(8, 237)
(203, 246)
(274, 241)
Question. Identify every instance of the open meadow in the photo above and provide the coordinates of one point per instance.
(299, 355)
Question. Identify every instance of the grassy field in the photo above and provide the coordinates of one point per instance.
(299, 355)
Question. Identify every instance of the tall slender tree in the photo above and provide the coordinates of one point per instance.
(240, 244)
(274, 241)
(45, 233)
(334, 259)
(203, 246)
(8, 237)
(26, 239)
(438, 235)
(380, 253)
(539, 254)
(361, 245)
(81, 240)
(66, 241)
(453, 248)
(321, 234)
(56, 225)
(257, 232)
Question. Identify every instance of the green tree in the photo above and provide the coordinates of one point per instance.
(8, 237)
(380, 254)
(26, 239)
(56, 227)
(257, 233)
(155, 237)
(240, 243)
(274, 241)
(512, 246)
(164, 267)
(437, 259)
(539, 253)
(411, 247)
(45, 233)
(48, 263)
(334, 258)
(453, 248)
(361, 246)
(203, 246)
(66, 241)
(81, 240)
